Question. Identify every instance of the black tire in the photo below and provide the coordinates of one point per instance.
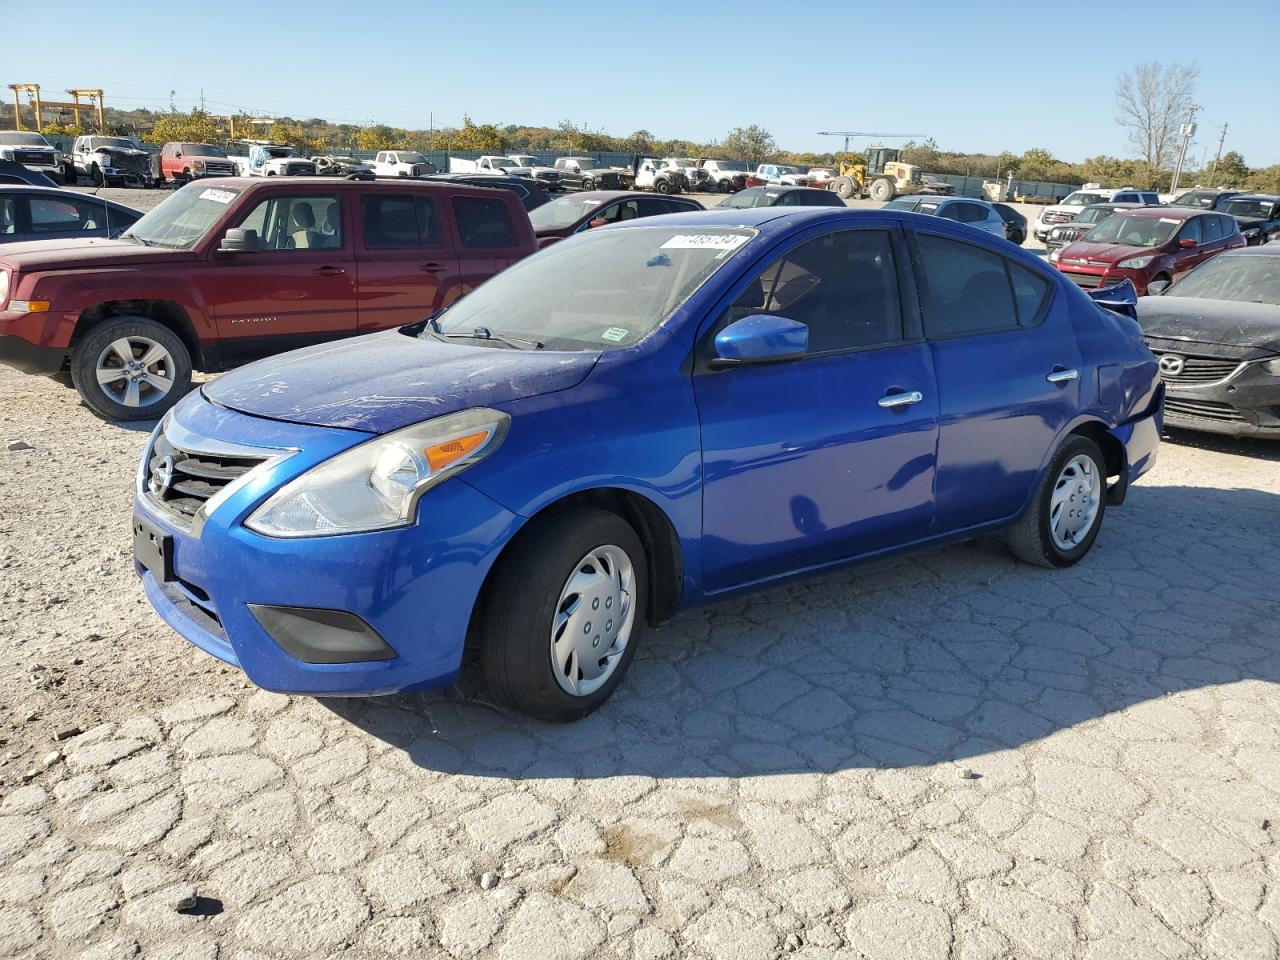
(97, 177)
(1031, 539)
(662, 185)
(520, 603)
(588, 184)
(84, 361)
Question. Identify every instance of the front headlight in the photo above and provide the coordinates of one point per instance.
(1251, 232)
(6, 154)
(1134, 263)
(197, 165)
(377, 485)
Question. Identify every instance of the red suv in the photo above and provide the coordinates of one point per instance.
(229, 270)
(1146, 244)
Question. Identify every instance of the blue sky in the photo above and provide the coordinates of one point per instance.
(975, 77)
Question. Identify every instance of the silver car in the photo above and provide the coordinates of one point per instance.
(976, 213)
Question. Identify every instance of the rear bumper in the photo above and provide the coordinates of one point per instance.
(30, 357)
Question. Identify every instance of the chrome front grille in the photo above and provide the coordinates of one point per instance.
(1057, 216)
(219, 168)
(1180, 368)
(186, 476)
(1180, 407)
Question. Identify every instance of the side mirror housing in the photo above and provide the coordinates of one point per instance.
(597, 222)
(237, 240)
(1157, 287)
(1188, 244)
(762, 338)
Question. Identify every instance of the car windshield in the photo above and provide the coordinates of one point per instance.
(503, 164)
(202, 150)
(902, 203)
(585, 164)
(121, 142)
(737, 166)
(1249, 208)
(1134, 231)
(1096, 215)
(562, 212)
(754, 197)
(1246, 279)
(410, 157)
(929, 208)
(16, 139)
(602, 290)
(1203, 201)
(788, 169)
(1082, 199)
(180, 221)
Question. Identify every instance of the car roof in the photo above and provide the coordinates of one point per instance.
(1268, 197)
(1169, 213)
(391, 184)
(783, 188)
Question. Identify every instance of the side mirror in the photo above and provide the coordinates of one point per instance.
(1188, 244)
(236, 240)
(1157, 287)
(760, 339)
(597, 222)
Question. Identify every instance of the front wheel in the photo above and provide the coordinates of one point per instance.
(1066, 513)
(96, 176)
(130, 368)
(588, 184)
(881, 190)
(662, 186)
(562, 614)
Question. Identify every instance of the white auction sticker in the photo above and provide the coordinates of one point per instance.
(705, 241)
(218, 196)
(615, 334)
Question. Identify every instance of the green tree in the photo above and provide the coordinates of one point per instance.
(753, 144)
(1232, 171)
(639, 142)
(478, 138)
(376, 137)
(193, 127)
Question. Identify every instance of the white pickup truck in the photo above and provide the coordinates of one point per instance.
(112, 160)
(402, 163)
(265, 159)
(727, 176)
(487, 164)
(782, 174)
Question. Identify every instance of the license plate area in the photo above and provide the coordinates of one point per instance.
(153, 548)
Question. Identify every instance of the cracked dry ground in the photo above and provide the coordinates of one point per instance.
(947, 756)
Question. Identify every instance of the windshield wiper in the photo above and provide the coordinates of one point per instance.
(137, 239)
(484, 333)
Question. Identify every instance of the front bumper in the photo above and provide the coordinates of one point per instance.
(28, 357)
(1091, 277)
(413, 587)
(1245, 404)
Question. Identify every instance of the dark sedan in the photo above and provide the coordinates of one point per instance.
(566, 216)
(531, 194)
(1074, 229)
(1216, 334)
(13, 172)
(1258, 216)
(1015, 224)
(780, 196)
(49, 213)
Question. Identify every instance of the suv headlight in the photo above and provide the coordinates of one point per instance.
(6, 154)
(377, 484)
(1134, 263)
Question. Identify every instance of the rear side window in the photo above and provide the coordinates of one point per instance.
(399, 222)
(1191, 230)
(1229, 227)
(1030, 293)
(61, 214)
(1212, 229)
(8, 216)
(484, 223)
(967, 288)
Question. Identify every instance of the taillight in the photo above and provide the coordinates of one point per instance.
(4, 288)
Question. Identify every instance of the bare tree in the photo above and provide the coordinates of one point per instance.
(1154, 99)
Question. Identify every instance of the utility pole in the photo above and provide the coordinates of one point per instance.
(1188, 130)
(1222, 137)
(202, 99)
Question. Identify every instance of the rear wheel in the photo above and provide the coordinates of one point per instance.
(130, 368)
(882, 190)
(1064, 518)
(562, 613)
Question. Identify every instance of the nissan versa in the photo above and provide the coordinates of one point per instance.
(643, 417)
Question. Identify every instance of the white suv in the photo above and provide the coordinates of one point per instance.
(1091, 193)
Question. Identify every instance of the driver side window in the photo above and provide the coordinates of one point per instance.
(297, 223)
(1191, 231)
(843, 286)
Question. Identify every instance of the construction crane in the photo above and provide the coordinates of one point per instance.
(39, 104)
(850, 134)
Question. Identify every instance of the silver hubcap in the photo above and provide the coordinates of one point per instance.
(593, 621)
(135, 371)
(1073, 508)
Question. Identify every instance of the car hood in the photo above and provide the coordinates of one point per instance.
(1225, 322)
(389, 380)
(1247, 222)
(1106, 252)
(84, 253)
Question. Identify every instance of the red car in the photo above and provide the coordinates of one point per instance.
(1146, 244)
(181, 162)
(228, 270)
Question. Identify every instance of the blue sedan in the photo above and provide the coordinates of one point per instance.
(642, 418)
(978, 214)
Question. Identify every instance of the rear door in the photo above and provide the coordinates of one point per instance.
(1008, 368)
(487, 239)
(406, 264)
(299, 287)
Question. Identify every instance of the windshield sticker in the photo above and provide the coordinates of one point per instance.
(218, 196)
(616, 334)
(705, 241)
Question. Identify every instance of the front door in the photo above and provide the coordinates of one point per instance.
(298, 288)
(1008, 369)
(406, 265)
(830, 456)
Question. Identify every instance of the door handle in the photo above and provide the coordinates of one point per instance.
(892, 401)
(431, 268)
(1063, 376)
(329, 271)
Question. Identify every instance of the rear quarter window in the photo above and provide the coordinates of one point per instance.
(484, 222)
(967, 288)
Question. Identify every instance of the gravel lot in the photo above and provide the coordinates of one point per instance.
(944, 756)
